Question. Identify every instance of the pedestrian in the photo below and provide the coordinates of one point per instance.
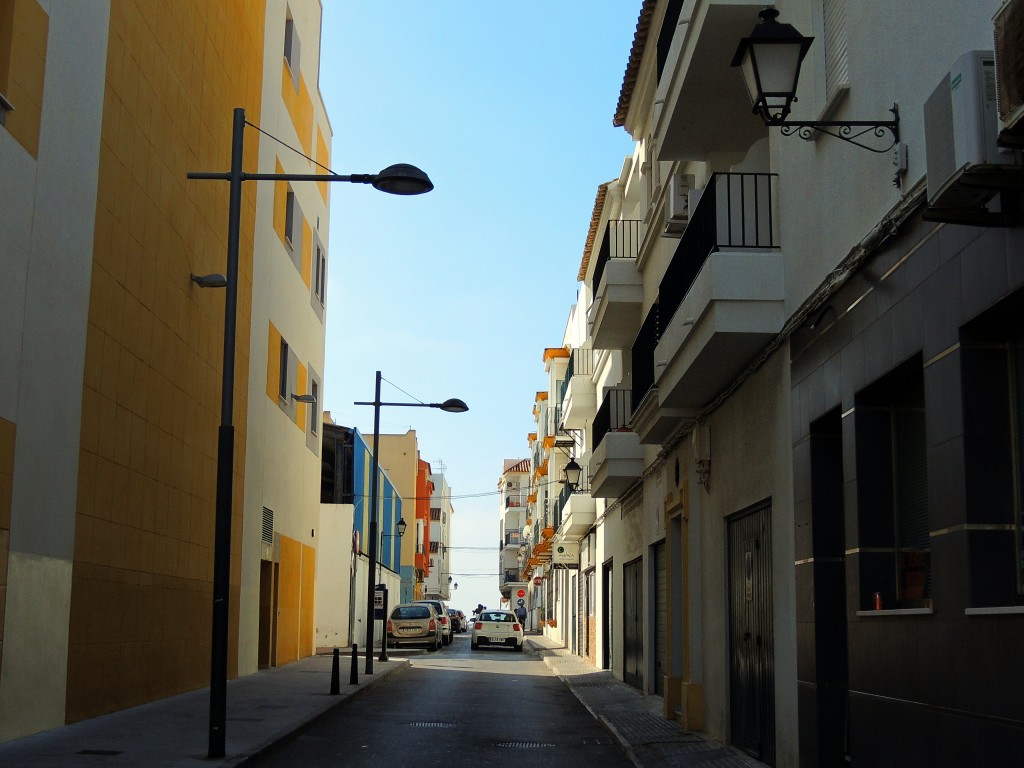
(521, 615)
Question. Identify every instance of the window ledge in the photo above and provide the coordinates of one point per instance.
(898, 612)
(995, 610)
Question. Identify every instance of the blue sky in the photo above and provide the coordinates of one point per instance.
(508, 108)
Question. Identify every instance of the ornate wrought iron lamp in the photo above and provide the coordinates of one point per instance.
(770, 60)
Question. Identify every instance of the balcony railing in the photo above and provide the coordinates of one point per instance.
(510, 574)
(643, 354)
(513, 538)
(581, 363)
(515, 500)
(621, 241)
(735, 210)
(614, 414)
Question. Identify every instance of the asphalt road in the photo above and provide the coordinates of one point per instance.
(457, 707)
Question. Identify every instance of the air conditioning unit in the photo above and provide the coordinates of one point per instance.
(1009, 57)
(961, 130)
(677, 203)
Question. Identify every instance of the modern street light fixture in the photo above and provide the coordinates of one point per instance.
(396, 179)
(770, 60)
(452, 405)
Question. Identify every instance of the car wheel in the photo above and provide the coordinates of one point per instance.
(433, 645)
(519, 647)
(474, 645)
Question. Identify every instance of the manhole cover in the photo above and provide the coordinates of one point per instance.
(100, 752)
(432, 725)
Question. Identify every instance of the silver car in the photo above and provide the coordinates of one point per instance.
(414, 624)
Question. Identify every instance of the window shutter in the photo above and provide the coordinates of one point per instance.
(837, 64)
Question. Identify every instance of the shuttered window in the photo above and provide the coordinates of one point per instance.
(913, 542)
(837, 63)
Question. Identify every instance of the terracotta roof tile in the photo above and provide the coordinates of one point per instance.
(636, 55)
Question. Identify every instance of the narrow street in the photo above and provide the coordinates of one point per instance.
(458, 707)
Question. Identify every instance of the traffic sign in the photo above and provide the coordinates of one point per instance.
(520, 602)
(520, 593)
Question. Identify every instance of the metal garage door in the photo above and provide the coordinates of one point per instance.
(660, 633)
(633, 623)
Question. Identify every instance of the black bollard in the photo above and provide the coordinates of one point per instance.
(353, 677)
(335, 674)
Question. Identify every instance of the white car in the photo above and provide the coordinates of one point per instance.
(497, 628)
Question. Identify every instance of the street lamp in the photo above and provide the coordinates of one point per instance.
(395, 179)
(452, 405)
(572, 474)
(401, 525)
(770, 59)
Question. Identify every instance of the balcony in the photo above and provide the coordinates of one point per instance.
(579, 400)
(617, 459)
(576, 510)
(722, 297)
(651, 422)
(698, 120)
(614, 313)
(513, 538)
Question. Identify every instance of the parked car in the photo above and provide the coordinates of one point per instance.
(459, 623)
(414, 624)
(497, 628)
(446, 623)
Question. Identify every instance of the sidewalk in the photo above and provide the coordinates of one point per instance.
(635, 720)
(262, 709)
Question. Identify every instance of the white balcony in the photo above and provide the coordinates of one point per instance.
(734, 308)
(578, 515)
(655, 423)
(579, 402)
(617, 463)
(706, 107)
(614, 313)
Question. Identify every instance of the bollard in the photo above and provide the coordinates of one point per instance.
(335, 674)
(353, 677)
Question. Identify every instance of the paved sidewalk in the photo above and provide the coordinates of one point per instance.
(262, 709)
(635, 720)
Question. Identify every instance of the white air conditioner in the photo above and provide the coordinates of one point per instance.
(677, 203)
(961, 130)
(1009, 57)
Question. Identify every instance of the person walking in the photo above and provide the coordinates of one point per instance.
(521, 615)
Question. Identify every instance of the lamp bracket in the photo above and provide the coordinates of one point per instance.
(874, 132)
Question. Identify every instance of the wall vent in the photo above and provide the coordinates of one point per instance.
(267, 535)
(1009, 66)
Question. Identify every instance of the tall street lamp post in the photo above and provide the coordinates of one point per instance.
(397, 180)
(452, 405)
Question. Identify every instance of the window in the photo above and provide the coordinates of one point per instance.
(291, 49)
(289, 218)
(320, 278)
(314, 407)
(992, 381)
(892, 490)
(282, 381)
(435, 513)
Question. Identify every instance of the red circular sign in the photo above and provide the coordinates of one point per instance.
(520, 593)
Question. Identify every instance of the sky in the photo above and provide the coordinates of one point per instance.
(508, 108)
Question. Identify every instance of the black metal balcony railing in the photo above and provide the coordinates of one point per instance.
(513, 538)
(735, 210)
(621, 241)
(581, 363)
(515, 500)
(614, 414)
(643, 354)
(510, 574)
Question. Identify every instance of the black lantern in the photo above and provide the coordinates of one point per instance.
(572, 474)
(770, 60)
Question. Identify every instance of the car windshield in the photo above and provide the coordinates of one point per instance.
(499, 617)
(411, 612)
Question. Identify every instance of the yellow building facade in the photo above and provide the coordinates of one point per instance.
(110, 392)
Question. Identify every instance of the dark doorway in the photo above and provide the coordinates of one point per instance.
(660, 629)
(752, 675)
(633, 623)
(607, 609)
